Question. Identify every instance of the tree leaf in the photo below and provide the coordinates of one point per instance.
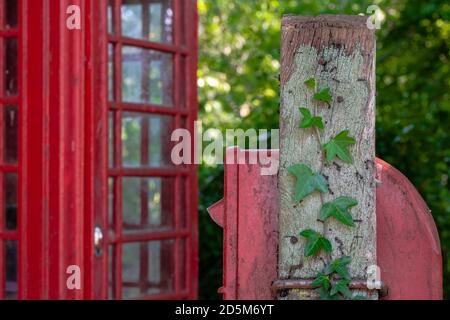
(338, 147)
(307, 181)
(315, 243)
(308, 120)
(340, 267)
(323, 95)
(339, 209)
(322, 280)
(311, 83)
(341, 287)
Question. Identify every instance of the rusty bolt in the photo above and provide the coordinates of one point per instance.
(284, 293)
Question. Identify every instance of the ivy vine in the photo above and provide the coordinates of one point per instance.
(333, 282)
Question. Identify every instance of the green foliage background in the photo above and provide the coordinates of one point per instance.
(239, 88)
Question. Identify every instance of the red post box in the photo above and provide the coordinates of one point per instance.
(408, 248)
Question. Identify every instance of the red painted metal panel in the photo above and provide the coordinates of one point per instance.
(409, 253)
(66, 123)
(53, 124)
(35, 142)
(255, 225)
(250, 229)
(96, 214)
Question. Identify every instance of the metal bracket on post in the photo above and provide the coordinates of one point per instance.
(280, 286)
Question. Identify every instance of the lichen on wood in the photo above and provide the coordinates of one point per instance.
(339, 51)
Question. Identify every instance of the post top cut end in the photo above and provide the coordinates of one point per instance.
(348, 33)
(326, 20)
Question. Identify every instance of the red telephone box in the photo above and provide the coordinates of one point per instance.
(85, 173)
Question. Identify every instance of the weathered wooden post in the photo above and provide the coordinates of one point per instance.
(339, 53)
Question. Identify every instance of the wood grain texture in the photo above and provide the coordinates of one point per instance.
(339, 51)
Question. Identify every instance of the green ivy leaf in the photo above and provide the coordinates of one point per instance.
(315, 242)
(339, 209)
(339, 266)
(311, 83)
(323, 95)
(322, 280)
(341, 287)
(338, 146)
(307, 181)
(308, 120)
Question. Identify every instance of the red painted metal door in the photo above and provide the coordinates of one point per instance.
(149, 228)
(78, 154)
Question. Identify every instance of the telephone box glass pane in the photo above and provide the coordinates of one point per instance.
(111, 25)
(111, 139)
(183, 253)
(11, 14)
(11, 269)
(148, 20)
(10, 198)
(10, 123)
(183, 204)
(147, 76)
(111, 72)
(11, 66)
(112, 269)
(146, 140)
(111, 202)
(148, 204)
(148, 268)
